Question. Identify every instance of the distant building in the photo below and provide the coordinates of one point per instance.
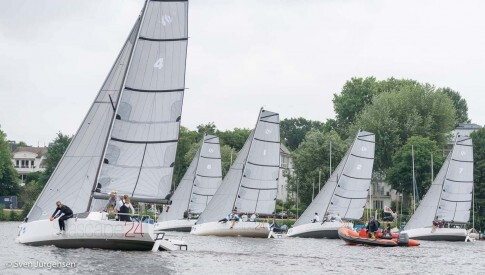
(382, 195)
(28, 159)
(286, 164)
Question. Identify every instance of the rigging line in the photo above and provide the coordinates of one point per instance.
(139, 171)
(195, 176)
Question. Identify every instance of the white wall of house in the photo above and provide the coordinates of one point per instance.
(286, 165)
(28, 160)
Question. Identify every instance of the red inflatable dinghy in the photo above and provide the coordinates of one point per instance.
(352, 237)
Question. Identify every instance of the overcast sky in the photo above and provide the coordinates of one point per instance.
(288, 56)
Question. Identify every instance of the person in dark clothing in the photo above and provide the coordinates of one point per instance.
(63, 212)
(372, 227)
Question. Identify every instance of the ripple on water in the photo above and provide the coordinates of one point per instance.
(216, 255)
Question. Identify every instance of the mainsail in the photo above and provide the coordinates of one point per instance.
(449, 196)
(127, 141)
(199, 183)
(251, 184)
(345, 192)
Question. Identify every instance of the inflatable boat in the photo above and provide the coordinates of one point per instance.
(354, 238)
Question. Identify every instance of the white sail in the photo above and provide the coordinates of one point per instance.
(72, 180)
(141, 150)
(346, 191)
(450, 195)
(132, 126)
(251, 184)
(199, 183)
(223, 200)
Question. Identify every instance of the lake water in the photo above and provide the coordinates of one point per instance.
(216, 255)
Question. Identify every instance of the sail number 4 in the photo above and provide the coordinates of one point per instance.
(159, 63)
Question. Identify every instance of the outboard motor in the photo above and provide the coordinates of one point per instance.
(403, 239)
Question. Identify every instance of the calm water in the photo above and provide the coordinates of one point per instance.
(214, 255)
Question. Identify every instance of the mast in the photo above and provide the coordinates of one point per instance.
(414, 180)
(195, 174)
(246, 159)
(118, 101)
(330, 160)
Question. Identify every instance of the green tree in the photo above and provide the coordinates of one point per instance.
(293, 130)
(400, 175)
(54, 154)
(311, 157)
(186, 140)
(356, 94)
(479, 176)
(9, 180)
(459, 103)
(28, 195)
(234, 138)
(22, 144)
(209, 129)
(414, 110)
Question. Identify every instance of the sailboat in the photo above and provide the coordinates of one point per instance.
(126, 142)
(250, 186)
(448, 198)
(195, 191)
(344, 195)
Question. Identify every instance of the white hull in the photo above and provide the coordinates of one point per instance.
(175, 225)
(328, 230)
(242, 229)
(440, 234)
(90, 232)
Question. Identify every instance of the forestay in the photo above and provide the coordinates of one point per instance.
(199, 183)
(449, 197)
(141, 149)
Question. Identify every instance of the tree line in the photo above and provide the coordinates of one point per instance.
(401, 112)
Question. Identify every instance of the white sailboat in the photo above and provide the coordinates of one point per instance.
(448, 198)
(126, 143)
(200, 182)
(250, 186)
(344, 194)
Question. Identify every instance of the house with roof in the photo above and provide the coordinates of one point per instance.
(28, 160)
